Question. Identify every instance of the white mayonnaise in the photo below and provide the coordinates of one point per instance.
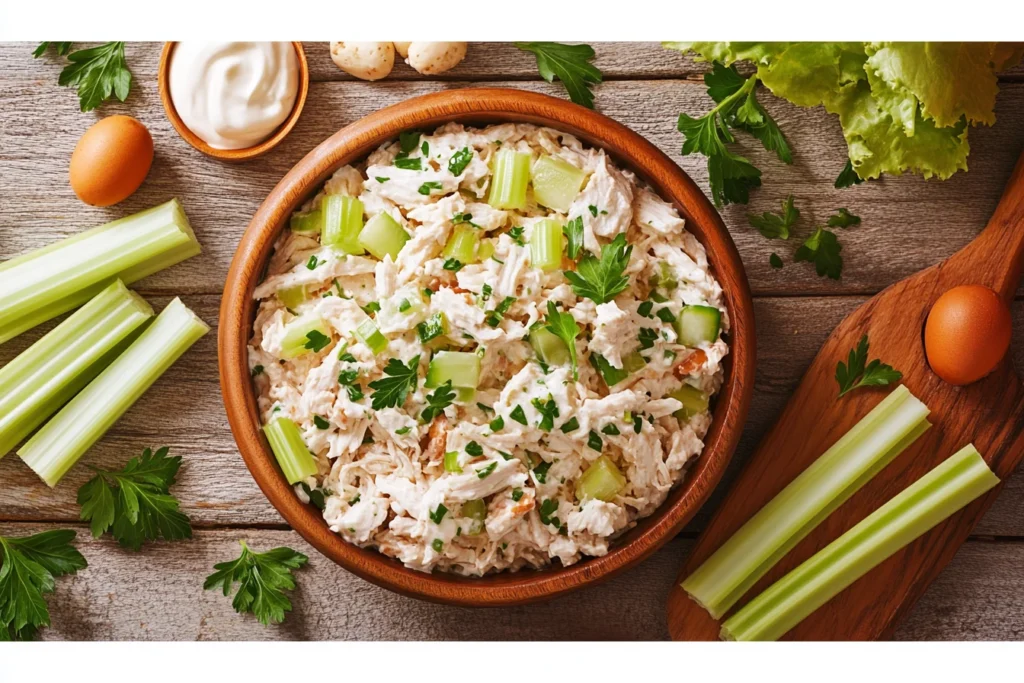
(233, 95)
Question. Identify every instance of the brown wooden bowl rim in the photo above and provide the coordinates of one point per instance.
(232, 155)
(485, 105)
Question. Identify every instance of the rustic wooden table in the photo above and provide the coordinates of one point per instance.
(908, 224)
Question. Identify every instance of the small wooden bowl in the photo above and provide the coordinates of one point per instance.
(483, 106)
(232, 155)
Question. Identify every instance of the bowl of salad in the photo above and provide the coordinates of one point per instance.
(484, 347)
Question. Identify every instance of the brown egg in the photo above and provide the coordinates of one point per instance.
(967, 333)
(111, 160)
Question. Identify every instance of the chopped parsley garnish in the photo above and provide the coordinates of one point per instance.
(257, 370)
(316, 496)
(483, 408)
(409, 163)
(320, 422)
(425, 148)
(548, 410)
(474, 449)
(441, 398)
(666, 315)
(431, 328)
(392, 390)
(355, 392)
(593, 210)
(573, 231)
(848, 176)
(541, 472)
(371, 308)
(438, 514)
(355, 499)
(409, 140)
(493, 318)
(609, 373)
(464, 218)
(516, 234)
(610, 429)
(437, 544)
(459, 161)
(313, 262)
(638, 424)
(517, 494)
(453, 264)
(427, 187)
(600, 280)
(644, 309)
(316, 340)
(506, 456)
(404, 305)
(485, 472)
(347, 377)
(594, 441)
(564, 326)
(549, 507)
(346, 356)
(518, 415)
(485, 293)
(647, 337)
(402, 431)
(570, 425)
(381, 179)
(497, 424)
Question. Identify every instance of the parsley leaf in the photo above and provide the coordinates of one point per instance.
(408, 141)
(848, 176)
(391, 391)
(601, 280)
(775, 260)
(843, 219)
(776, 225)
(570, 425)
(452, 264)
(316, 340)
(409, 163)
(518, 415)
(441, 398)
(427, 187)
(548, 411)
(564, 326)
(98, 73)
(822, 249)
(61, 48)
(316, 496)
(262, 579)
(594, 441)
(573, 231)
(28, 566)
(548, 507)
(485, 472)
(570, 64)
(135, 503)
(438, 514)
(854, 374)
(458, 162)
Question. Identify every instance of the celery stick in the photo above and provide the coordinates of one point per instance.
(342, 223)
(87, 417)
(383, 236)
(462, 245)
(510, 180)
(546, 245)
(955, 483)
(778, 526)
(51, 371)
(42, 284)
(291, 452)
(556, 183)
(602, 480)
(461, 367)
(306, 222)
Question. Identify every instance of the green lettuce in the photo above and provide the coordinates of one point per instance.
(902, 106)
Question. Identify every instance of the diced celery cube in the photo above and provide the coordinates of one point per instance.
(510, 180)
(433, 327)
(485, 250)
(693, 399)
(370, 334)
(383, 236)
(634, 362)
(306, 221)
(549, 347)
(546, 245)
(291, 297)
(602, 481)
(451, 462)
(342, 223)
(462, 245)
(475, 510)
(461, 367)
(304, 334)
(556, 183)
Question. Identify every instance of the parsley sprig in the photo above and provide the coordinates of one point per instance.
(28, 566)
(135, 503)
(570, 64)
(262, 579)
(564, 326)
(392, 390)
(730, 175)
(822, 249)
(601, 280)
(854, 374)
(776, 225)
(97, 72)
(441, 398)
(62, 48)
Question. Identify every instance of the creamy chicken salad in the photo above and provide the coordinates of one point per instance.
(498, 348)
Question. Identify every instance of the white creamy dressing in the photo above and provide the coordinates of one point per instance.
(233, 95)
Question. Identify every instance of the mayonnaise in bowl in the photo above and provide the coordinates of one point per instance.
(233, 95)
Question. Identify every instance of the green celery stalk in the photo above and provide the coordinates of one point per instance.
(86, 418)
(546, 245)
(383, 236)
(342, 223)
(556, 182)
(510, 180)
(956, 482)
(788, 517)
(291, 452)
(462, 244)
(50, 372)
(47, 282)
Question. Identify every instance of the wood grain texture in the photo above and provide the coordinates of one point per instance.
(157, 594)
(988, 413)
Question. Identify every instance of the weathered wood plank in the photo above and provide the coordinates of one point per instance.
(184, 410)
(908, 223)
(112, 599)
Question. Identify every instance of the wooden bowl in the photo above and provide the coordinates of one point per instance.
(232, 155)
(483, 106)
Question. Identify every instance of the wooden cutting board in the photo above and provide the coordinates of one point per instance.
(988, 413)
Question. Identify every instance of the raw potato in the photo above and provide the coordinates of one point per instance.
(367, 61)
(403, 49)
(435, 58)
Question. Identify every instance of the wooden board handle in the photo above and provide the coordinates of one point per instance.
(1000, 246)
